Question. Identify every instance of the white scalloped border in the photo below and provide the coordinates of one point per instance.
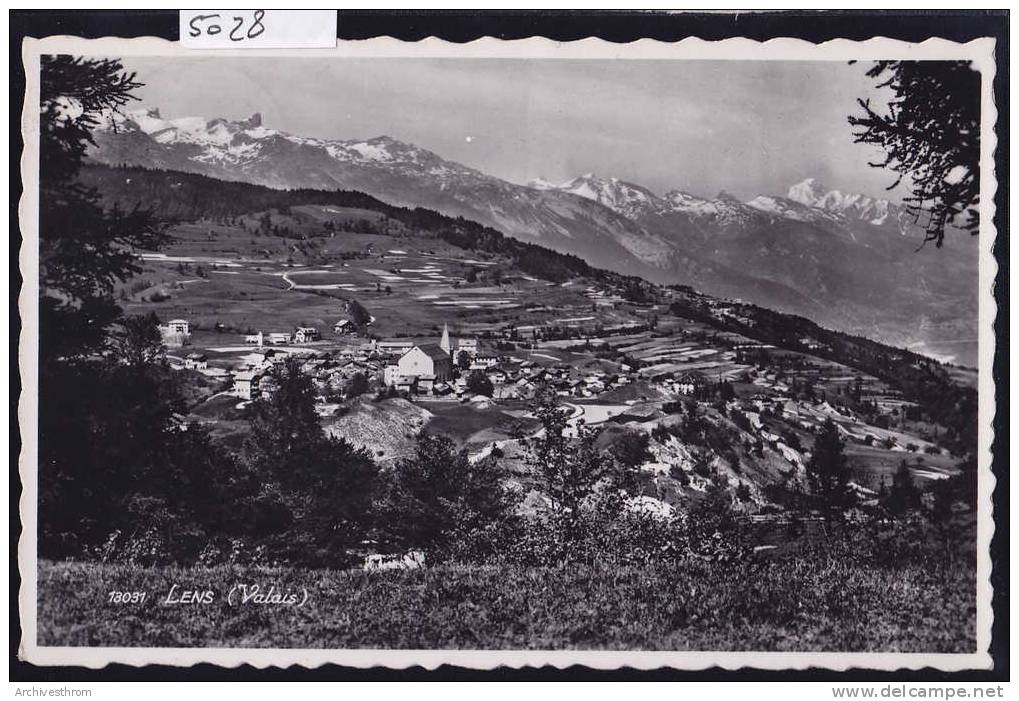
(980, 51)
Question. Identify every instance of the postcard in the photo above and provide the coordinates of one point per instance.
(508, 353)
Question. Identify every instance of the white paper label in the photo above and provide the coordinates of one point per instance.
(258, 29)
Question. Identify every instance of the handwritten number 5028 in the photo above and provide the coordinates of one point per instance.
(195, 26)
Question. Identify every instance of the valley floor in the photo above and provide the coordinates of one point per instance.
(791, 605)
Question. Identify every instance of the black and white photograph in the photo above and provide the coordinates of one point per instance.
(580, 350)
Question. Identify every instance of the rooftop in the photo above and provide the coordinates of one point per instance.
(433, 351)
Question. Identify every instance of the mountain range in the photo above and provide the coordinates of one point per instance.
(849, 261)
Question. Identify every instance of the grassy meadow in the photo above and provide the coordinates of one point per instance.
(790, 605)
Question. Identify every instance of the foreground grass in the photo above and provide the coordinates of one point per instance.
(792, 605)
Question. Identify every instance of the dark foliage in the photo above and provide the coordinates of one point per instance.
(441, 501)
(828, 471)
(479, 383)
(119, 469)
(570, 468)
(117, 466)
(356, 386)
(317, 491)
(930, 135)
(630, 449)
(83, 250)
(358, 315)
(903, 495)
(715, 531)
(175, 196)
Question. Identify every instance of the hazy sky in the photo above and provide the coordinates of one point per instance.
(701, 126)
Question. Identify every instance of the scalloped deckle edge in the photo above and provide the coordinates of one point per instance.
(980, 51)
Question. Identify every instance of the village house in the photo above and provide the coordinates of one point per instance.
(176, 332)
(393, 347)
(505, 391)
(254, 338)
(306, 334)
(466, 345)
(390, 374)
(406, 384)
(178, 326)
(594, 385)
(524, 388)
(246, 384)
(497, 375)
(196, 361)
(264, 359)
(690, 383)
(343, 326)
(442, 389)
(279, 338)
(483, 361)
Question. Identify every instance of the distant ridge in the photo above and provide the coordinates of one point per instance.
(847, 260)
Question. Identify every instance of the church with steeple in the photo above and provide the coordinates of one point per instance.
(428, 363)
(454, 346)
(444, 343)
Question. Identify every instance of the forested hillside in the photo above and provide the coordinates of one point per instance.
(172, 196)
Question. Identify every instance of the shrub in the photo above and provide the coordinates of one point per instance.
(478, 383)
(678, 473)
(714, 531)
(356, 386)
(630, 448)
(441, 501)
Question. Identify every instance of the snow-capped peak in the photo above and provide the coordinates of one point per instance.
(542, 183)
(807, 192)
(232, 142)
(812, 194)
(195, 130)
(625, 198)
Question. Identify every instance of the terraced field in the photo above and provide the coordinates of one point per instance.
(225, 274)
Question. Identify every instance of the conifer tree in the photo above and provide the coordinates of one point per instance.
(930, 136)
(84, 251)
(903, 494)
(828, 472)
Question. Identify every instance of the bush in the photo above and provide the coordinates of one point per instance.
(603, 533)
(678, 473)
(741, 421)
(663, 433)
(358, 315)
(478, 383)
(714, 531)
(631, 449)
(892, 543)
(356, 386)
(442, 502)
